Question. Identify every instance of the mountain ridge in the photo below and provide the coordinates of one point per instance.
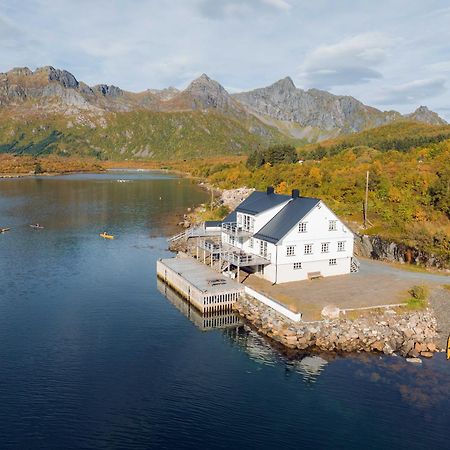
(281, 100)
(51, 110)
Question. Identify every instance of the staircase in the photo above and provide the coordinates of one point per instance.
(354, 265)
(177, 237)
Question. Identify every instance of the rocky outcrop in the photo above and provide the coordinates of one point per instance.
(111, 91)
(378, 248)
(423, 114)
(410, 334)
(233, 197)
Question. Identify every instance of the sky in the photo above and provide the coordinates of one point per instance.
(391, 54)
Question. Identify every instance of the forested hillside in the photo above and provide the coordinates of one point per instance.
(409, 190)
(139, 134)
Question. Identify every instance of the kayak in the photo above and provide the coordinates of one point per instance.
(37, 226)
(106, 236)
(448, 347)
(4, 230)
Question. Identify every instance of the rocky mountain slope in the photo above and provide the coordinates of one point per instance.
(49, 110)
(313, 108)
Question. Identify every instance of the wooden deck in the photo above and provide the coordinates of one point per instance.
(200, 285)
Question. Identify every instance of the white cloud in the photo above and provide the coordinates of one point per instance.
(280, 4)
(218, 9)
(413, 92)
(352, 60)
(140, 44)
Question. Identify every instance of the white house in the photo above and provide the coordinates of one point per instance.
(284, 238)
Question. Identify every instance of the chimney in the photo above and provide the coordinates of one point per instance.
(270, 190)
(295, 193)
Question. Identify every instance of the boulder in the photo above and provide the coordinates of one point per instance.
(414, 360)
(378, 346)
(330, 312)
(420, 347)
(432, 347)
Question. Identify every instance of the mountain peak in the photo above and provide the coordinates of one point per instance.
(285, 83)
(20, 71)
(62, 76)
(203, 80)
(423, 114)
(205, 93)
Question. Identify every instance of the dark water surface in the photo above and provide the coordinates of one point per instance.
(93, 355)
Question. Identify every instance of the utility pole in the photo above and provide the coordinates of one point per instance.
(366, 199)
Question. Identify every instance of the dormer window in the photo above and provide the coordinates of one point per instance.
(249, 223)
(302, 227)
(332, 225)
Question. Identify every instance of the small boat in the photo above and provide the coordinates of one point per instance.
(37, 226)
(448, 347)
(105, 235)
(4, 230)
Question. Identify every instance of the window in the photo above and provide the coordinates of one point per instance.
(290, 250)
(297, 265)
(332, 262)
(308, 249)
(325, 247)
(302, 227)
(263, 248)
(341, 246)
(332, 225)
(248, 222)
(250, 243)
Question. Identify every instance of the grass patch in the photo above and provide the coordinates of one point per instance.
(419, 297)
(446, 287)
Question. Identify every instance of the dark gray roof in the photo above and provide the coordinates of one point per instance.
(213, 223)
(258, 202)
(232, 217)
(286, 219)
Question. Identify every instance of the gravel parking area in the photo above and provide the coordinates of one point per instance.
(376, 283)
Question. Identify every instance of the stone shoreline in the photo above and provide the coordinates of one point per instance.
(411, 334)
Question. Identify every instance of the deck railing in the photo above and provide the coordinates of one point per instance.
(235, 229)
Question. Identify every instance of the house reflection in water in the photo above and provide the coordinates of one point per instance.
(204, 322)
(258, 348)
(254, 345)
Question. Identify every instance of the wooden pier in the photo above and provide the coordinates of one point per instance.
(200, 285)
(205, 322)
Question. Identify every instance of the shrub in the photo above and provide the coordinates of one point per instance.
(419, 297)
(419, 292)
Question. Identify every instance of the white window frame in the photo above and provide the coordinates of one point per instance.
(248, 223)
(310, 249)
(325, 247)
(341, 246)
(250, 243)
(332, 262)
(263, 248)
(302, 227)
(332, 225)
(297, 265)
(290, 250)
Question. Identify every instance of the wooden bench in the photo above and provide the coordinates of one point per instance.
(313, 275)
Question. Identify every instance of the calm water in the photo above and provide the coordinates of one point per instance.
(94, 355)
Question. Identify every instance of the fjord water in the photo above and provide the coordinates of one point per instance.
(93, 355)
